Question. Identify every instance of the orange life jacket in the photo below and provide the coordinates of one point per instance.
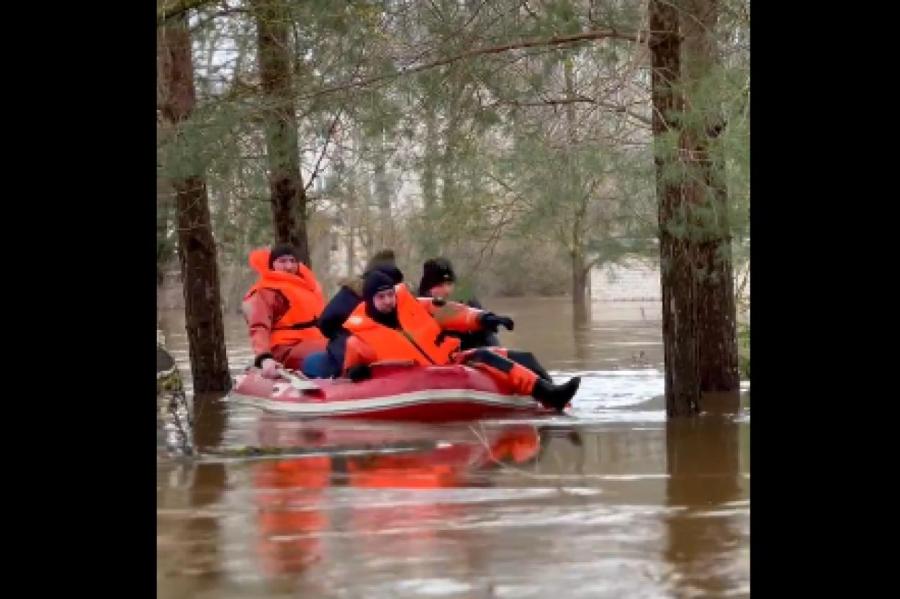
(418, 339)
(304, 295)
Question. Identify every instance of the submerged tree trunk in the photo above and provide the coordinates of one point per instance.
(580, 303)
(287, 195)
(677, 250)
(719, 378)
(196, 246)
(579, 200)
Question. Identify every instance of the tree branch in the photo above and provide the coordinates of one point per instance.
(595, 262)
(531, 43)
(578, 99)
(175, 8)
(315, 172)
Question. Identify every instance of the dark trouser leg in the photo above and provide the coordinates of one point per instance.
(500, 368)
(527, 359)
(523, 380)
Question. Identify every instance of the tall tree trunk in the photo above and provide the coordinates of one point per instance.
(578, 200)
(677, 251)
(196, 246)
(719, 377)
(163, 218)
(430, 246)
(383, 194)
(287, 195)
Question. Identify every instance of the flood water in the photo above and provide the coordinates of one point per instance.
(610, 501)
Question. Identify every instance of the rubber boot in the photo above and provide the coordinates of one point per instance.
(555, 397)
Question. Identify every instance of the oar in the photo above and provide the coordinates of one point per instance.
(298, 382)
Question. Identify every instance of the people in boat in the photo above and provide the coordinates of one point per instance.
(392, 324)
(438, 281)
(282, 310)
(339, 308)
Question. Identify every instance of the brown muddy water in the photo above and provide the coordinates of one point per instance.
(610, 501)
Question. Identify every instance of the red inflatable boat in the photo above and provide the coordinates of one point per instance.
(395, 391)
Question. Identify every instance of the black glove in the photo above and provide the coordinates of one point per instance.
(490, 321)
(360, 372)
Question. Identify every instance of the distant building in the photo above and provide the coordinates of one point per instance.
(631, 280)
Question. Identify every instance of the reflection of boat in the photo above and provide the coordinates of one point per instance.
(291, 494)
(395, 391)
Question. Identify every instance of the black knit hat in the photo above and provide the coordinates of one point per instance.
(376, 281)
(434, 272)
(279, 250)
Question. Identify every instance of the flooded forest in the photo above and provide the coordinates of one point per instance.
(584, 166)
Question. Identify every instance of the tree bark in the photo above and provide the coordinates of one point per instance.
(719, 377)
(430, 246)
(196, 246)
(580, 305)
(677, 250)
(383, 194)
(578, 200)
(287, 194)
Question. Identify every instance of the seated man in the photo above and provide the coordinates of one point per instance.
(341, 306)
(438, 280)
(392, 324)
(282, 310)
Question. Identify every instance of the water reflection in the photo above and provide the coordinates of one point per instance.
(294, 502)
(209, 418)
(290, 514)
(612, 502)
(707, 529)
(189, 542)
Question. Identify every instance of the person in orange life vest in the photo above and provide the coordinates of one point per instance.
(438, 280)
(392, 324)
(281, 310)
(341, 306)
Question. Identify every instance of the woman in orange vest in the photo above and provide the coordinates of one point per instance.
(392, 324)
(282, 310)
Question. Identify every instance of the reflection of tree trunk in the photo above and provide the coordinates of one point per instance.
(704, 467)
(581, 337)
(715, 292)
(288, 197)
(196, 246)
(677, 252)
(204, 531)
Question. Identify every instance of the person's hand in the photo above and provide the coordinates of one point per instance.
(490, 322)
(360, 372)
(270, 368)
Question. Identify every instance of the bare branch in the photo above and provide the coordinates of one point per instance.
(176, 8)
(531, 43)
(578, 99)
(328, 137)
